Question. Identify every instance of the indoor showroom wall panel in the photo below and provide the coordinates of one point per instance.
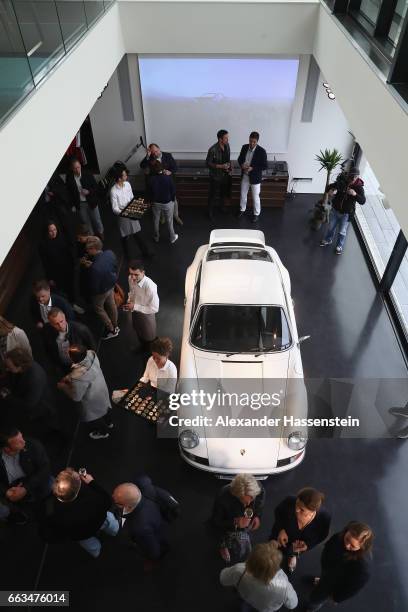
(219, 27)
(329, 128)
(375, 117)
(34, 140)
(115, 138)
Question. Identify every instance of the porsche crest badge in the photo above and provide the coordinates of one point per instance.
(242, 451)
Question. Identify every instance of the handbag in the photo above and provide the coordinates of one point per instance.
(169, 507)
(118, 295)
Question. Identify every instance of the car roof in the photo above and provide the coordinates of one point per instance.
(241, 281)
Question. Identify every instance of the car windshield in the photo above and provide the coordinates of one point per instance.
(228, 328)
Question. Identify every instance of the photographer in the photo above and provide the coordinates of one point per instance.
(345, 192)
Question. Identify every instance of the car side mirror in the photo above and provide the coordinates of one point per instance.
(302, 339)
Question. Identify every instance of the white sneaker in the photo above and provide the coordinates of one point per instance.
(78, 309)
(98, 435)
(111, 334)
(339, 250)
(175, 238)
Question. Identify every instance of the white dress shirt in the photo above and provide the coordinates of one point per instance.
(164, 378)
(144, 295)
(44, 310)
(82, 198)
(13, 468)
(120, 197)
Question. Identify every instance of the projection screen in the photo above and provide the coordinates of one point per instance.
(187, 100)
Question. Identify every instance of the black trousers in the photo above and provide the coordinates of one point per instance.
(142, 245)
(101, 424)
(219, 189)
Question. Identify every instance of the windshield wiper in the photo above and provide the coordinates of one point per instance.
(256, 349)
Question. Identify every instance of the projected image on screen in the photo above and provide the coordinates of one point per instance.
(187, 100)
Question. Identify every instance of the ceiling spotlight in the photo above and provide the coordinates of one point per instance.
(331, 96)
(326, 85)
(328, 90)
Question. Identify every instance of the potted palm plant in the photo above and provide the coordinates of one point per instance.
(328, 161)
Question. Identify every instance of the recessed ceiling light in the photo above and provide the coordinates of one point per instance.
(326, 85)
(331, 96)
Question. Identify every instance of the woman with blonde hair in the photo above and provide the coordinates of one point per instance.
(237, 511)
(12, 337)
(345, 566)
(260, 582)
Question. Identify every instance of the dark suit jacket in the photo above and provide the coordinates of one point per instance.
(35, 464)
(168, 162)
(78, 333)
(79, 519)
(56, 300)
(145, 524)
(259, 162)
(30, 393)
(227, 507)
(312, 534)
(88, 182)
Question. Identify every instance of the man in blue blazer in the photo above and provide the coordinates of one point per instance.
(252, 161)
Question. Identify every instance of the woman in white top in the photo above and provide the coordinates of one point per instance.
(160, 372)
(12, 337)
(120, 195)
(260, 582)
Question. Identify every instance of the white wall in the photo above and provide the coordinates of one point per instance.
(375, 117)
(35, 139)
(114, 138)
(219, 27)
(328, 130)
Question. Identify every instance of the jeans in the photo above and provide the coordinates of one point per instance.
(168, 210)
(4, 511)
(340, 220)
(91, 217)
(255, 189)
(105, 307)
(93, 545)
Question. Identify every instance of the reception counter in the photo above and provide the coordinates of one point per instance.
(192, 181)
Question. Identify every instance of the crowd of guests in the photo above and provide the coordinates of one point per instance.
(81, 276)
(260, 575)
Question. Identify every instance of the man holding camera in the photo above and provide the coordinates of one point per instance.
(345, 192)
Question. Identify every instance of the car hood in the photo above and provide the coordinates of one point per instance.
(220, 367)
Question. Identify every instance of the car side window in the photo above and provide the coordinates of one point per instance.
(196, 295)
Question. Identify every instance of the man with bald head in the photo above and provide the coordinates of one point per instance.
(141, 517)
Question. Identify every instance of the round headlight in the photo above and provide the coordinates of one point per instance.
(189, 439)
(297, 440)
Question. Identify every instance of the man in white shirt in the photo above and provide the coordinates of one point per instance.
(143, 302)
(160, 372)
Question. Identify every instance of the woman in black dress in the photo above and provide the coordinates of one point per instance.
(300, 524)
(57, 255)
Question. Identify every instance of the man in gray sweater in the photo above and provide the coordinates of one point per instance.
(86, 384)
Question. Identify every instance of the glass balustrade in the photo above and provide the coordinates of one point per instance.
(34, 36)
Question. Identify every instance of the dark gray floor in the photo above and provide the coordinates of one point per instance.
(352, 338)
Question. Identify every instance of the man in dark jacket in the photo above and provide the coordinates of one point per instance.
(253, 161)
(141, 517)
(345, 566)
(344, 192)
(78, 510)
(83, 190)
(43, 300)
(60, 333)
(24, 474)
(219, 163)
(169, 166)
(163, 195)
(102, 276)
(30, 401)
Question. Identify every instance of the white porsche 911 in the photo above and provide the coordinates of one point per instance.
(240, 342)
